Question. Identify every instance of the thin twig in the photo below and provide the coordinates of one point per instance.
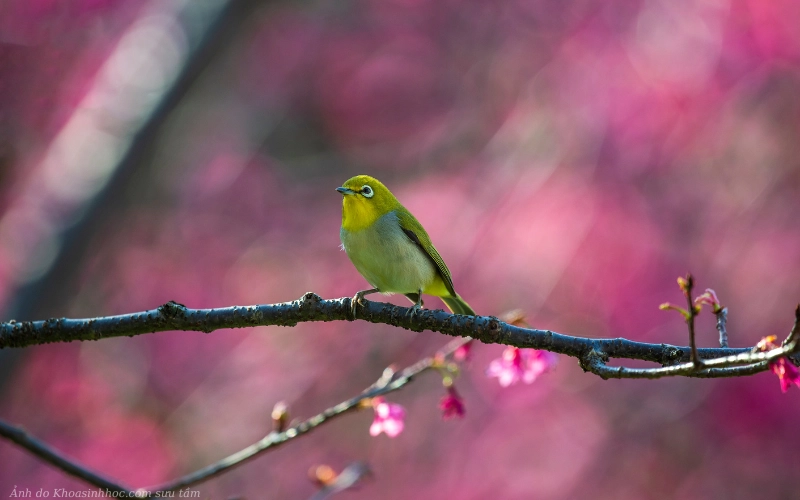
(722, 321)
(692, 311)
(383, 386)
(51, 456)
(737, 365)
(598, 367)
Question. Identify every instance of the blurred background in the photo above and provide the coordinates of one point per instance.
(569, 158)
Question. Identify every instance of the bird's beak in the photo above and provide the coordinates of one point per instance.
(345, 190)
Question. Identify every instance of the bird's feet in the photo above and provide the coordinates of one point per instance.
(357, 300)
(417, 306)
(415, 309)
(354, 302)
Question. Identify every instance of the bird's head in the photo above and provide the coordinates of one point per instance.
(365, 199)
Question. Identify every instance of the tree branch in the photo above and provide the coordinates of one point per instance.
(390, 381)
(51, 456)
(592, 354)
(312, 308)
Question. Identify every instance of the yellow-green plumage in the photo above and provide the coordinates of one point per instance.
(390, 248)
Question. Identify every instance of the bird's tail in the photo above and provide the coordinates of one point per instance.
(458, 306)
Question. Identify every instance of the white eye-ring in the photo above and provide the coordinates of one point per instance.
(367, 191)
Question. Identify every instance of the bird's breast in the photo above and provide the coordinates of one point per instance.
(387, 258)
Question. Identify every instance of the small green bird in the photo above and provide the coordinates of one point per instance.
(390, 248)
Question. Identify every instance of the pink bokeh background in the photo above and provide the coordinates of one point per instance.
(570, 159)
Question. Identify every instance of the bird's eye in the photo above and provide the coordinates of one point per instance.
(367, 191)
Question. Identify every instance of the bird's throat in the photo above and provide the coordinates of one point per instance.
(358, 214)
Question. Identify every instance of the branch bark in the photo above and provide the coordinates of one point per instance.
(592, 353)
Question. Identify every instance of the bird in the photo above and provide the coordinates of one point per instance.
(391, 249)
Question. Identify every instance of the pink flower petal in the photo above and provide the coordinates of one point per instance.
(787, 373)
(463, 352)
(508, 378)
(451, 404)
(388, 418)
(518, 364)
(393, 427)
(382, 411)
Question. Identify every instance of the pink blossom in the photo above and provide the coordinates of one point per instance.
(463, 352)
(786, 372)
(710, 298)
(516, 364)
(388, 418)
(451, 404)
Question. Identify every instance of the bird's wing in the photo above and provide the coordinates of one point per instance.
(416, 233)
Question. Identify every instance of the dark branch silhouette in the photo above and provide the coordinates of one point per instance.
(592, 354)
(53, 457)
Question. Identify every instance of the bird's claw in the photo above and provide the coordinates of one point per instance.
(416, 308)
(358, 298)
(354, 303)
